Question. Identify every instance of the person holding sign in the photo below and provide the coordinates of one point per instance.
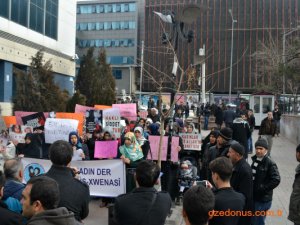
(80, 151)
(131, 154)
(143, 142)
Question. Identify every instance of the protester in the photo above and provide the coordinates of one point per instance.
(241, 179)
(267, 130)
(74, 193)
(96, 136)
(80, 150)
(219, 117)
(32, 147)
(251, 122)
(226, 197)
(265, 178)
(153, 115)
(6, 152)
(198, 203)
(40, 200)
(228, 116)
(142, 141)
(144, 205)
(206, 114)
(277, 118)
(7, 216)
(294, 212)
(190, 128)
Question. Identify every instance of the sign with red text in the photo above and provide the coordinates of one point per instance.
(111, 121)
(191, 141)
(106, 149)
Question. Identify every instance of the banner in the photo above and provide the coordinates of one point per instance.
(9, 120)
(104, 177)
(111, 121)
(102, 107)
(106, 149)
(93, 118)
(75, 116)
(127, 110)
(191, 141)
(154, 144)
(82, 108)
(36, 120)
(59, 129)
(20, 114)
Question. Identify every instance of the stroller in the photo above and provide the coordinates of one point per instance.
(187, 177)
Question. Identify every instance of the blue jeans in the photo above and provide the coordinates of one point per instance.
(250, 144)
(259, 207)
(206, 122)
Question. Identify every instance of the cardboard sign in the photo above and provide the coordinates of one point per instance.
(93, 118)
(75, 116)
(191, 141)
(106, 149)
(154, 144)
(82, 108)
(105, 177)
(127, 110)
(9, 120)
(20, 114)
(111, 121)
(59, 129)
(36, 120)
(102, 107)
(18, 133)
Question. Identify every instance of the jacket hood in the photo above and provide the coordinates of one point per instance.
(13, 189)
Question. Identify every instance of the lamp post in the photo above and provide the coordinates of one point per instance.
(231, 53)
(283, 53)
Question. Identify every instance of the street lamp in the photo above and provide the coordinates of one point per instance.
(231, 53)
(283, 53)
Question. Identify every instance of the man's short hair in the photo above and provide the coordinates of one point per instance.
(44, 189)
(198, 201)
(60, 153)
(222, 166)
(2, 179)
(298, 148)
(147, 173)
(12, 167)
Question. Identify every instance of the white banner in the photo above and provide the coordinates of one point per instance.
(59, 129)
(191, 141)
(104, 177)
(111, 121)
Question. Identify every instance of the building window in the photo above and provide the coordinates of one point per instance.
(51, 18)
(117, 74)
(107, 25)
(106, 8)
(4, 8)
(99, 26)
(19, 11)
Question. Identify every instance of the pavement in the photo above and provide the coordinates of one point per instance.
(283, 153)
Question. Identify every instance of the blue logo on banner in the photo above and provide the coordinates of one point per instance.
(32, 170)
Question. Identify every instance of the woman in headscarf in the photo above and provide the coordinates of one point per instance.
(131, 154)
(79, 150)
(32, 147)
(96, 136)
(142, 141)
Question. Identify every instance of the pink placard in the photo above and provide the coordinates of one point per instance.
(82, 108)
(154, 144)
(127, 110)
(20, 114)
(106, 149)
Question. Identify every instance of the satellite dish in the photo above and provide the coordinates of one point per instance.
(189, 13)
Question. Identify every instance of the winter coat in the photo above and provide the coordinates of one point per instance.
(13, 188)
(219, 115)
(241, 133)
(267, 127)
(294, 208)
(8, 217)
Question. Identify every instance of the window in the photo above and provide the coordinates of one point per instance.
(19, 11)
(118, 8)
(85, 9)
(126, 25)
(107, 25)
(124, 60)
(99, 26)
(115, 25)
(131, 7)
(117, 74)
(91, 26)
(83, 26)
(51, 18)
(36, 21)
(107, 43)
(99, 8)
(131, 25)
(126, 7)
(108, 8)
(4, 8)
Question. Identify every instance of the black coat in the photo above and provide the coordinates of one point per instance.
(241, 132)
(266, 128)
(227, 199)
(74, 194)
(130, 209)
(219, 115)
(9, 217)
(265, 180)
(294, 212)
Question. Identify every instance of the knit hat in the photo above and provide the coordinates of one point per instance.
(226, 133)
(139, 129)
(237, 147)
(262, 143)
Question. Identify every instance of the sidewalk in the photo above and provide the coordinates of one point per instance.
(283, 153)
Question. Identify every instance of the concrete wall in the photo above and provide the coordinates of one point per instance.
(290, 128)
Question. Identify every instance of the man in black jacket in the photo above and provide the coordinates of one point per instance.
(265, 178)
(241, 179)
(267, 130)
(74, 194)
(144, 205)
(294, 212)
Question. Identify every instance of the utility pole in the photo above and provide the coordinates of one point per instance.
(141, 72)
(202, 53)
(231, 53)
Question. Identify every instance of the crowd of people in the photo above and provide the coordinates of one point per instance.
(231, 183)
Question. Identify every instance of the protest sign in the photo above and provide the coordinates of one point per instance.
(3, 142)
(17, 133)
(111, 121)
(36, 120)
(127, 110)
(59, 129)
(106, 149)
(2, 124)
(104, 177)
(154, 144)
(191, 141)
(82, 108)
(102, 107)
(93, 119)
(75, 116)
(9, 120)
(20, 114)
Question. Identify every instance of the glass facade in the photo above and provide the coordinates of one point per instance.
(37, 15)
(106, 8)
(115, 25)
(120, 60)
(117, 74)
(107, 43)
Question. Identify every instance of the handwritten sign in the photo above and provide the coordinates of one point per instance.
(154, 144)
(191, 141)
(17, 133)
(106, 149)
(82, 108)
(127, 110)
(75, 116)
(59, 129)
(111, 121)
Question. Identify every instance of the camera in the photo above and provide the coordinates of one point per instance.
(202, 182)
